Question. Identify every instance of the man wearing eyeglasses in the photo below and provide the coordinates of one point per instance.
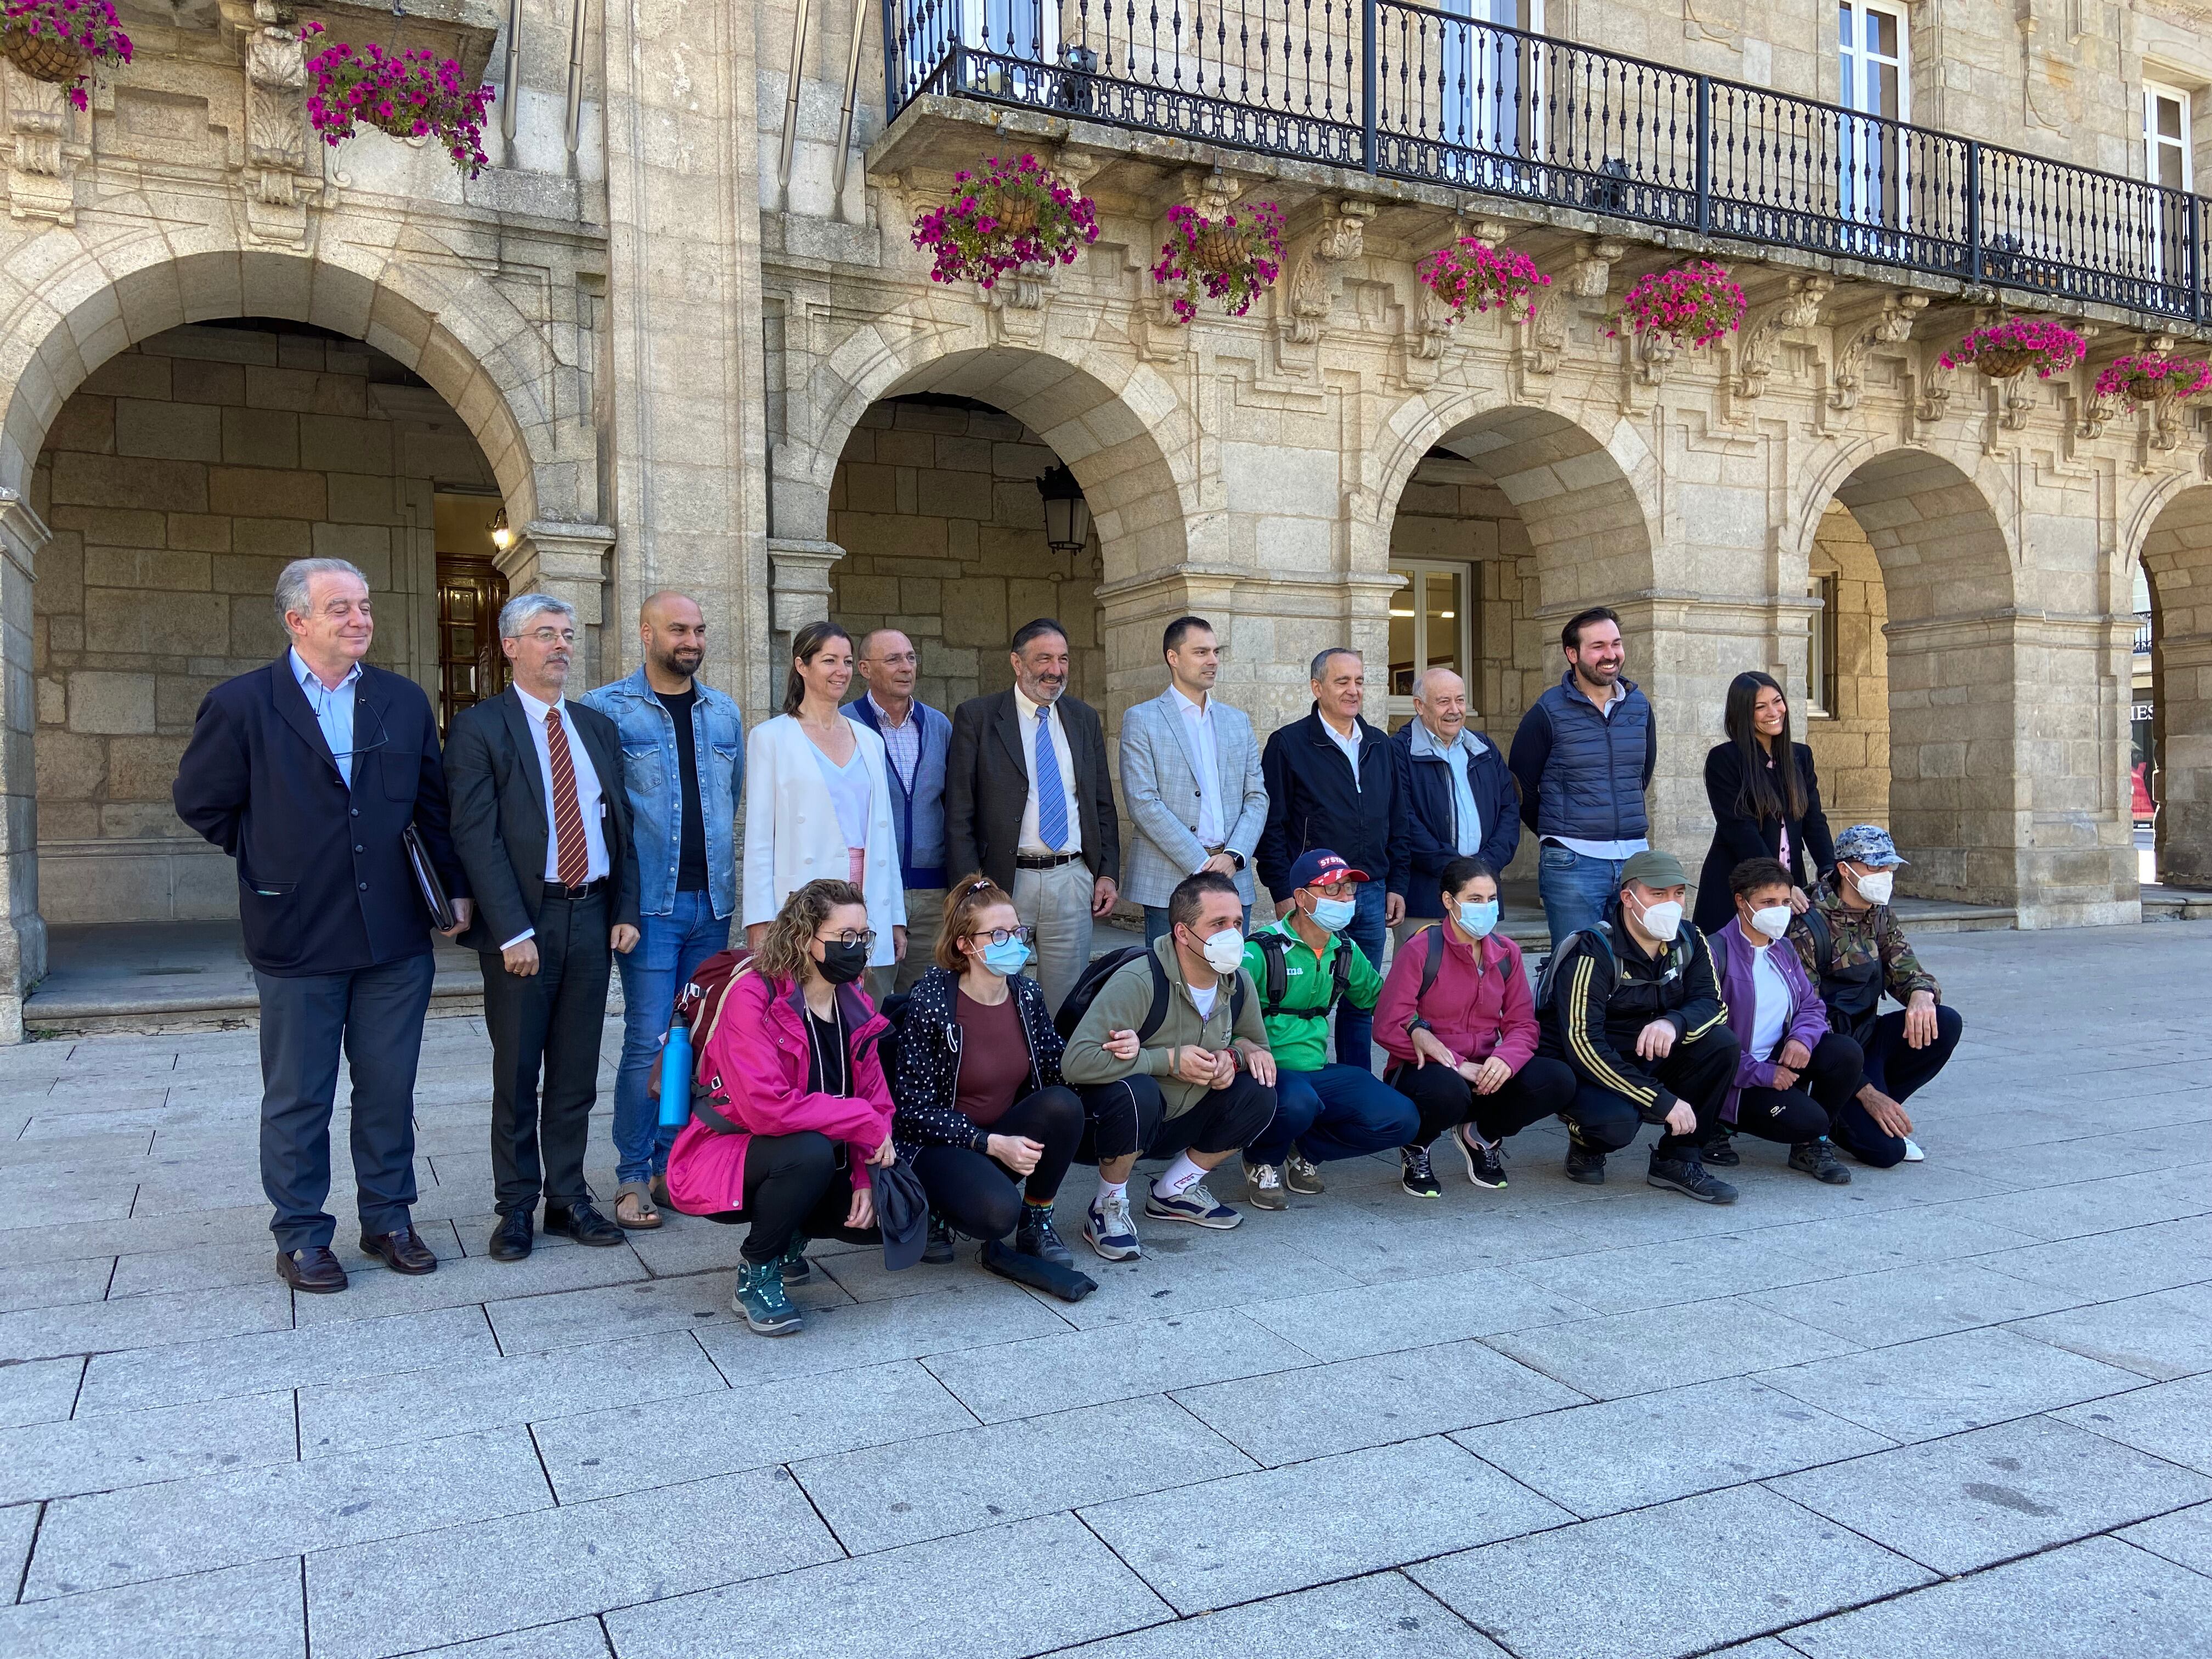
(542, 823)
(309, 773)
(917, 744)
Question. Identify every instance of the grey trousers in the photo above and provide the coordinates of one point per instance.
(925, 919)
(1056, 903)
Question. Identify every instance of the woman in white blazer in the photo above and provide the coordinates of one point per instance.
(818, 799)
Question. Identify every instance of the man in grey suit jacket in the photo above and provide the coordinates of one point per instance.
(1190, 778)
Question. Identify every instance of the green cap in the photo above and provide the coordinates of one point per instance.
(1653, 869)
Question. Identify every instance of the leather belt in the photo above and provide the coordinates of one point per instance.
(554, 890)
(1044, 860)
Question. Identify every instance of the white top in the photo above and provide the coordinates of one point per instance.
(850, 791)
(1199, 723)
(1616, 851)
(1030, 842)
(588, 801)
(1771, 1004)
(1350, 745)
(1203, 1000)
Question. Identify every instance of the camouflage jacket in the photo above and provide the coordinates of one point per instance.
(1860, 936)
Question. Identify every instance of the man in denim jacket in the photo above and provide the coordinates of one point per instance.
(684, 757)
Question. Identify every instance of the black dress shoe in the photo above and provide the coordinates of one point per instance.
(583, 1224)
(313, 1269)
(510, 1240)
(402, 1250)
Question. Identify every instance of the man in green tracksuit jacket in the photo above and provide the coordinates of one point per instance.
(1194, 1089)
(1322, 1111)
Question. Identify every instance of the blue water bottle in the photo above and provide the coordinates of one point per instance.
(676, 1078)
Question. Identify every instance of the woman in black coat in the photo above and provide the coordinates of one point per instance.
(1760, 810)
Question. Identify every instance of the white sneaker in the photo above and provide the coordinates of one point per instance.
(1912, 1152)
(1107, 1229)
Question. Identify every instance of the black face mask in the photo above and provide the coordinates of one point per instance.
(843, 964)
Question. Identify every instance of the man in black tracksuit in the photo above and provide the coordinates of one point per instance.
(1636, 1013)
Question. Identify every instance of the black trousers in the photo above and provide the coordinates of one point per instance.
(547, 1024)
(375, 1015)
(1803, 1112)
(1898, 1069)
(1699, 1073)
(980, 1196)
(1542, 1088)
(1131, 1116)
(795, 1187)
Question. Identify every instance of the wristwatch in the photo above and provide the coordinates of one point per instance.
(1418, 1024)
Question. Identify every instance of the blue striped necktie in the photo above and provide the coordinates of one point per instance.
(1052, 793)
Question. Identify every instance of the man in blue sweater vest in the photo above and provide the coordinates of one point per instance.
(916, 739)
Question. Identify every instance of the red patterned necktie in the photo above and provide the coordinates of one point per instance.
(567, 817)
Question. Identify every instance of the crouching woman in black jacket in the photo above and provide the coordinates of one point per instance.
(982, 1113)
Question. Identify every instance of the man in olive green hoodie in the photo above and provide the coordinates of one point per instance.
(1195, 1089)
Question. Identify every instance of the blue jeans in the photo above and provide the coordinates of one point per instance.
(1156, 923)
(1355, 1027)
(1577, 891)
(669, 948)
(1339, 1111)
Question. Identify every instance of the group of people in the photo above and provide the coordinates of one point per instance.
(937, 879)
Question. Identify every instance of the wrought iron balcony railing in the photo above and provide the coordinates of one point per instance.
(2142, 633)
(1421, 93)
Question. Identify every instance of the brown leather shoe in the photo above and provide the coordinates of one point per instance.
(314, 1269)
(402, 1250)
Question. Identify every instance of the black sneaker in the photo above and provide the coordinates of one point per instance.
(1036, 1236)
(1485, 1166)
(937, 1248)
(1687, 1176)
(1585, 1165)
(1720, 1150)
(1817, 1158)
(1415, 1176)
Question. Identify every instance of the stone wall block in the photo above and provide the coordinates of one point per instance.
(155, 485)
(174, 570)
(266, 492)
(260, 437)
(167, 431)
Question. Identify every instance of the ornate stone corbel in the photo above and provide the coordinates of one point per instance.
(1760, 339)
(1311, 288)
(1935, 389)
(1893, 327)
(1431, 326)
(1017, 306)
(42, 171)
(276, 126)
(1543, 337)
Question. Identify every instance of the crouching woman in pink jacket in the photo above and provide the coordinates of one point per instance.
(800, 1110)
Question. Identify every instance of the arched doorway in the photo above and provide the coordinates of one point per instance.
(2177, 570)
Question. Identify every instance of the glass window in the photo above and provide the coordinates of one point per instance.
(1431, 626)
(1821, 647)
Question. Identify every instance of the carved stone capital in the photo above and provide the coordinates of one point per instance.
(42, 170)
(1543, 335)
(1893, 327)
(1017, 303)
(1935, 389)
(276, 128)
(1760, 338)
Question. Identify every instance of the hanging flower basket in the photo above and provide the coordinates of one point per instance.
(2010, 349)
(1471, 275)
(1233, 259)
(2134, 381)
(409, 94)
(61, 42)
(1693, 305)
(1010, 215)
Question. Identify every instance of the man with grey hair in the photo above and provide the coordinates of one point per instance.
(1459, 798)
(542, 823)
(917, 744)
(310, 773)
(1334, 782)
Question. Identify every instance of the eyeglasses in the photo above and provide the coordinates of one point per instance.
(1001, 935)
(850, 936)
(552, 636)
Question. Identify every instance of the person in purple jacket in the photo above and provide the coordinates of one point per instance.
(1794, 1072)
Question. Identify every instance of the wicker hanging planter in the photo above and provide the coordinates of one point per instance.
(1006, 218)
(1231, 259)
(43, 57)
(2007, 350)
(1217, 250)
(62, 42)
(1017, 213)
(2005, 365)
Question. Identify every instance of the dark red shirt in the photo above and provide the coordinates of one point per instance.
(994, 1060)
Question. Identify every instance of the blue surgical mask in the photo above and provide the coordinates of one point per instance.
(1477, 918)
(1006, 960)
(1335, 914)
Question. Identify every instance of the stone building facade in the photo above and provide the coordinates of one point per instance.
(679, 329)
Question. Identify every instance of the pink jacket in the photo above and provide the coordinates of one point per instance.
(757, 1060)
(1475, 1009)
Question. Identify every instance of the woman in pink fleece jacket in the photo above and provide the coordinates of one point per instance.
(799, 1109)
(1465, 1048)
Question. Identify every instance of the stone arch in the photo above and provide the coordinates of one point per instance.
(2174, 542)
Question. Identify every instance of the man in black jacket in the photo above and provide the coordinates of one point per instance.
(308, 773)
(541, 824)
(1634, 1007)
(1029, 803)
(1334, 782)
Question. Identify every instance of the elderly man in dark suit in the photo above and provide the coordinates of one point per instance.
(542, 823)
(1027, 802)
(309, 773)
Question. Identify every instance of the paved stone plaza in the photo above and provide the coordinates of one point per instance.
(1961, 1408)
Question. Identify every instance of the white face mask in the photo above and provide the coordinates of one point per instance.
(1875, 889)
(1224, 951)
(1663, 922)
(1773, 921)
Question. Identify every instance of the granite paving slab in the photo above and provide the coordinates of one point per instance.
(137, 1449)
(246, 1612)
(1656, 1348)
(2185, 1536)
(2165, 1335)
(1383, 1616)
(2168, 1421)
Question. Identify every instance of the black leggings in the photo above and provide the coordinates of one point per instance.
(1131, 1116)
(795, 1187)
(1697, 1071)
(976, 1193)
(1797, 1114)
(1542, 1088)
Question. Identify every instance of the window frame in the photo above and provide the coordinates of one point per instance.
(1401, 709)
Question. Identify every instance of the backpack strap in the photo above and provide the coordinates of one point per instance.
(1155, 1016)
(1434, 963)
(1341, 970)
(1824, 941)
(1275, 951)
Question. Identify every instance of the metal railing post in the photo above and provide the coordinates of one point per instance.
(1973, 210)
(1704, 153)
(2194, 265)
(1369, 153)
(890, 83)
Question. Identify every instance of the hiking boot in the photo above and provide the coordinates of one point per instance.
(937, 1249)
(1036, 1236)
(1585, 1164)
(1485, 1166)
(797, 1269)
(1817, 1158)
(1416, 1175)
(1300, 1176)
(1107, 1229)
(760, 1298)
(1263, 1186)
(1688, 1177)
(1193, 1204)
(1720, 1150)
